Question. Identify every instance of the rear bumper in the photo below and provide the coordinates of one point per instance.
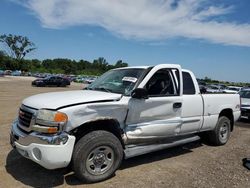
(51, 152)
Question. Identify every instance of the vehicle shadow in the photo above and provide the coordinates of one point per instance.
(160, 155)
(31, 174)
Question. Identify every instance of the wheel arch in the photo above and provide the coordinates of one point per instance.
(106, 124)
(229, 114)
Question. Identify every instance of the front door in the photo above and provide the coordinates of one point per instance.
(159, 116)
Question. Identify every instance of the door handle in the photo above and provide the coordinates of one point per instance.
(177, 105)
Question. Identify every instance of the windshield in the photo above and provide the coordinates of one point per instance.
(120, 81)
(213, 87)
(233, 88)
(47, 77)
(245, 94)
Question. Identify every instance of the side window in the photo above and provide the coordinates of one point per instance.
(188, 84)
(52, 78)
(161, 84)
(58, 79)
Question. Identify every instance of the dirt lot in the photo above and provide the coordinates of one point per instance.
(191, 165)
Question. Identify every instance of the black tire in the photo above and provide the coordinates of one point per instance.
(221, 134)
(63, 84)
(97, 147)
(40, 85)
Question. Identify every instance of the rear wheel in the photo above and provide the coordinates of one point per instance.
(97, 156)
(220, 135)
(63, 84)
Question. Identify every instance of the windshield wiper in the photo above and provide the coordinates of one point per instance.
(98, 88)
(102, 89)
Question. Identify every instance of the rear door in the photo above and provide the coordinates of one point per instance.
(51, 81)
(192, 108)
(159, 116)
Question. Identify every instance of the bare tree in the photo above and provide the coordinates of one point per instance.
(18, 46)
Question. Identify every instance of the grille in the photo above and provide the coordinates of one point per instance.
(24, 118)
(245, 112)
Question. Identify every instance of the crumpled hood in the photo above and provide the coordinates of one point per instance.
(56, 100)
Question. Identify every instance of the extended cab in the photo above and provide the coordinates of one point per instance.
(126, 112)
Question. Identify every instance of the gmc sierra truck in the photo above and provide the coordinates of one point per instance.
(126, 112)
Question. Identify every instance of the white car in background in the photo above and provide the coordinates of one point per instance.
(214, 89)
(245, 103)
(232, 89)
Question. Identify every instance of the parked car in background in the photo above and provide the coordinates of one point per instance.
(7, 72)
(89, 80)
(51, 81)
(26, 74)
(79, 79)
(245, 103)
(16, 73)
(85, 79)
(70, 77)
(203, 89)
(232, 89)
(245, 88)
(1, 73)
(214, 89)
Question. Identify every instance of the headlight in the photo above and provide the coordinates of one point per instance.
(53, 116)
(48, 121)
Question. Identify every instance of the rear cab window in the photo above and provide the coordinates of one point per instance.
(188, 84)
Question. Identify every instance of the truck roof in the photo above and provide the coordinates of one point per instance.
(134, 67)
(145, 67)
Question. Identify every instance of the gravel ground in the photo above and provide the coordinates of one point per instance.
(192, 165)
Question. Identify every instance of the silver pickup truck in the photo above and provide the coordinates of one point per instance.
(125, 113)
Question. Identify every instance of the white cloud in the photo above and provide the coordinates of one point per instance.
(152, 20)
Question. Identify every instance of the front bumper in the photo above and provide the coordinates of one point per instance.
(245, 113)
(51, 152)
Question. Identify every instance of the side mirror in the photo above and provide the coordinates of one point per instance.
(139, 93)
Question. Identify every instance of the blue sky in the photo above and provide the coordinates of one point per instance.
(210, 37)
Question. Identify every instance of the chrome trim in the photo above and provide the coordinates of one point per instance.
(190, 120)
(33, 119)
(35, 137)
(135, 150)
(41, 122)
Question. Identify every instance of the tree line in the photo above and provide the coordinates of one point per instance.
(210, 81)
(15, 48)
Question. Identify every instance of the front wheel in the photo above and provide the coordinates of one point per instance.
(97, 156)
(220, 135)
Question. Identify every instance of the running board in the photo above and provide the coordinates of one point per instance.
(132, 151)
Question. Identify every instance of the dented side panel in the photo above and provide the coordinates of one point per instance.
(152, 118)
(85, 113)
(155, 117)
